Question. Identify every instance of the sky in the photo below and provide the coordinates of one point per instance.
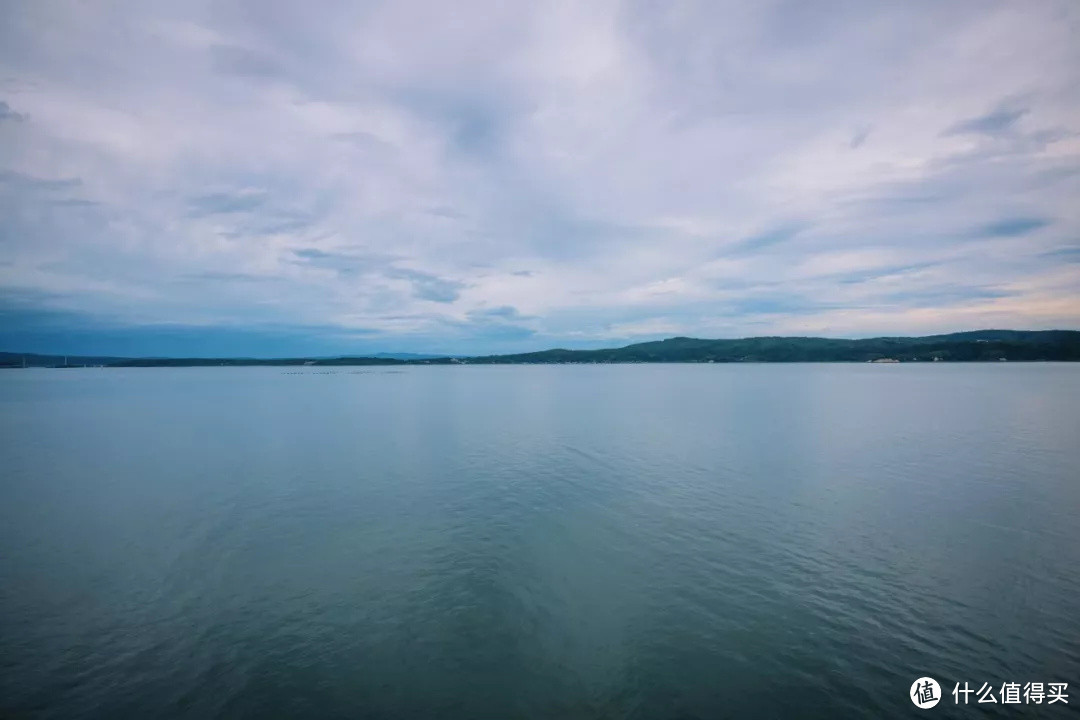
(269, 177)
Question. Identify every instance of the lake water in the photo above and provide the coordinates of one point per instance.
(635, 541)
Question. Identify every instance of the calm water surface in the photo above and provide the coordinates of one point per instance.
(642, 541)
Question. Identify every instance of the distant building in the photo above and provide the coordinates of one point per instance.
(885, 360)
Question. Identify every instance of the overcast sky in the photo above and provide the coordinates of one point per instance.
(274, 178)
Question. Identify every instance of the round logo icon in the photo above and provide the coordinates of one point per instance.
(925, 693)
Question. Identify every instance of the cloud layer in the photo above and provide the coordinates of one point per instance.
(268, 177)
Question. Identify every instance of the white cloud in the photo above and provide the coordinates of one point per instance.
(608, 169)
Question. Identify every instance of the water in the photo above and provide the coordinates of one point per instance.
(642, 541)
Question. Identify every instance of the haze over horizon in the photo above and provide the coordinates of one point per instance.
(265, 179)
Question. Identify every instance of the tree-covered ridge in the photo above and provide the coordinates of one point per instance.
(983, 345)
(980, 345)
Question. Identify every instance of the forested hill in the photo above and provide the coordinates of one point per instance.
(980, 345)
(14, 359)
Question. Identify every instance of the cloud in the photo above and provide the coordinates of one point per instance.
(503, 323)
(504, 177)
(859, 137)
(505, 312)
(23, 182)
(1066, 254)
(994, 123)
(446, 212)
(8, 114)
(233, 60)
(773, 236)
(1012, 227)
(429, 287)
(224, 202)
(314, 254)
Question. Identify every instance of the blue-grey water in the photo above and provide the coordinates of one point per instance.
(637, 541)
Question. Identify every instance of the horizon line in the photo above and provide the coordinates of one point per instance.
(390, 355)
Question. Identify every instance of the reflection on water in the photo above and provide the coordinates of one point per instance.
(647, 541)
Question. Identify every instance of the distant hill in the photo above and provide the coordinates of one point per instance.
(9, 359)
(979, 345)
(212, 362)
(975, 346)
(16, 360)
(407, 356)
